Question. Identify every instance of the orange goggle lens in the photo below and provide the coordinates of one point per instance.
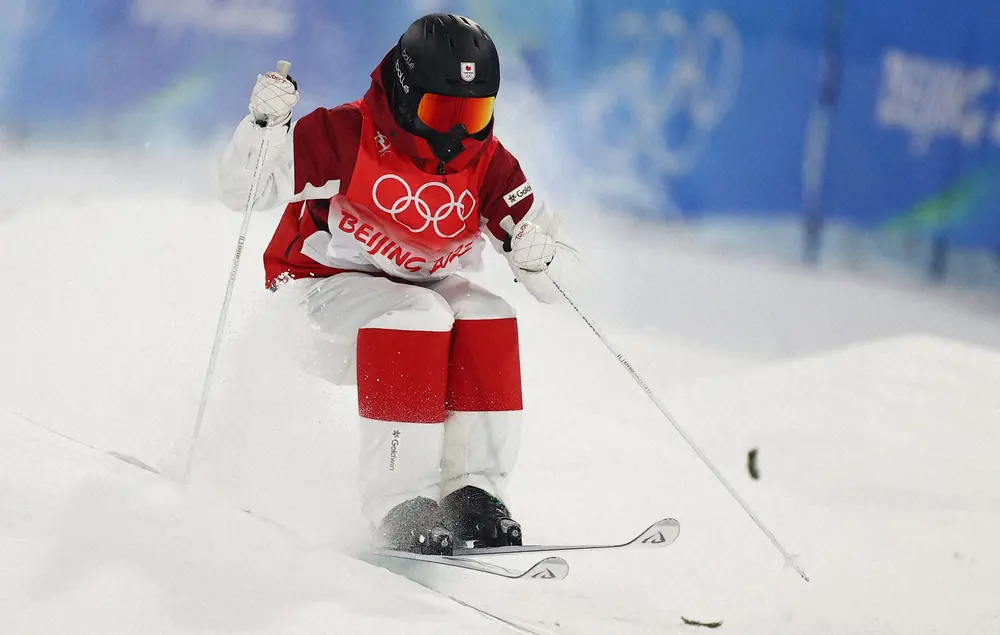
(442, 113)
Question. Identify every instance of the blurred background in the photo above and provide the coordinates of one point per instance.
(789, 212)
(831, 133)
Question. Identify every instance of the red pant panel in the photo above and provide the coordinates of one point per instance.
(484, 374)
(402, 375)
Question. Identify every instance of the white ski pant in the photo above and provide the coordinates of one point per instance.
(439, 383)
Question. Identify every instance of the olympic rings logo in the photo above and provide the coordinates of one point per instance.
(692, 93)
(416, 214)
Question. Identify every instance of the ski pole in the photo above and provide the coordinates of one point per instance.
(283, 68)
(790, 560)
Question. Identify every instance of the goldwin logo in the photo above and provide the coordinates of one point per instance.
(517, 194)
(393, 450)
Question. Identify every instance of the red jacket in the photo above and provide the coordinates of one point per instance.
(391, 213)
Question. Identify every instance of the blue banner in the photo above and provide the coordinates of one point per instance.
(123, 69)
(915, 145)
(709, 99)
(711, 105)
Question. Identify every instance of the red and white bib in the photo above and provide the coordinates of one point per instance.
(400, 219)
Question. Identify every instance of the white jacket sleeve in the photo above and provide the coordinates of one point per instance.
(239, 160)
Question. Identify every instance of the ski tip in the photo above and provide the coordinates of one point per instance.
(660, 534)
(548, 569)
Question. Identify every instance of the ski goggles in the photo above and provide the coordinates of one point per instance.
(443, 112)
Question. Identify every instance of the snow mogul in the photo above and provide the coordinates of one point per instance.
(388, 199)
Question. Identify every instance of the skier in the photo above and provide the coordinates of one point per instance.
(387, 199)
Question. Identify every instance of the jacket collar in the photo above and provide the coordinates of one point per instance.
(413, 146)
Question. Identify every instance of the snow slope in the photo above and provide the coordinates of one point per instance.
(92, 545)
(874, 409)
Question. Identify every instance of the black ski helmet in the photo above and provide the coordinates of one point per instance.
(435, 55)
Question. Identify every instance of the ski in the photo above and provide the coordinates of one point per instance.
(552, 568)
(660, 534)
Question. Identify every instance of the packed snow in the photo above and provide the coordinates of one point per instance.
(875, 411)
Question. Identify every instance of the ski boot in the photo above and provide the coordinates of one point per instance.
(479, 519)
(416, 526)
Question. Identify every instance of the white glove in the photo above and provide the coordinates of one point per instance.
(531, 248)
(539, 255)
(273, 98)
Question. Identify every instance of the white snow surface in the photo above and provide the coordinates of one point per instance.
(875, 411)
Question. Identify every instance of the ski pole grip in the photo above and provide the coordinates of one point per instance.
(283, 68)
